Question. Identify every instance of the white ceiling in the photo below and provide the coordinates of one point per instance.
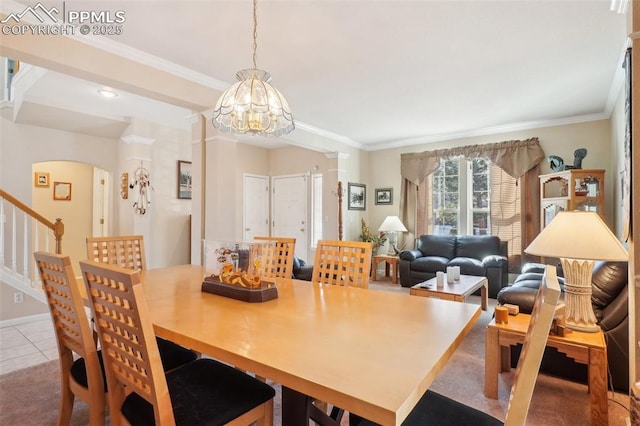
(379, 74)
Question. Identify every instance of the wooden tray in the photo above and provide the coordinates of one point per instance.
(251, 295)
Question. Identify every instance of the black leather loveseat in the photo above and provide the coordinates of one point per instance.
(480, 255)
(609, 299)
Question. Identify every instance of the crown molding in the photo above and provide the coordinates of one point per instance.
(337, 154)
(515, 127)
(218, 138)
(141, 140)
(145, 58)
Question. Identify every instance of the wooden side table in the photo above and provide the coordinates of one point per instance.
(391, 262)
(585, 348)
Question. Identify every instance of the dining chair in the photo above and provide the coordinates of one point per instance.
(126, 251)
(83, 377)
(278, 261)
(73, 335)
(204, 391)
(345, 263)
(435, 409)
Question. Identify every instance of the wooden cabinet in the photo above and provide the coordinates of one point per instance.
(575, 189)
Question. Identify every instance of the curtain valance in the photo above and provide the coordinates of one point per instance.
(514, 157)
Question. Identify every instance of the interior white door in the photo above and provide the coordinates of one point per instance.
(255, 206)
(101, 204)
(289, 214)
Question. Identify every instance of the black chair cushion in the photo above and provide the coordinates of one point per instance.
(172, 355)
(438, 410)
(203, 392)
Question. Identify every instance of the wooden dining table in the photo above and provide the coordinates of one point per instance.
(372, 353)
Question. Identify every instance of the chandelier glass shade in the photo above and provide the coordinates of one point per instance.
(253, 106)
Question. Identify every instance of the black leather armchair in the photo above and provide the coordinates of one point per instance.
(480, 255)
(609, 299)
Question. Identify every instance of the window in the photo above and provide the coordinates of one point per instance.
(478, 184)
(316, 209)
(461, 197)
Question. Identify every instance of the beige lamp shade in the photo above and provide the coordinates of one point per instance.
(392, 224)
(578, 235)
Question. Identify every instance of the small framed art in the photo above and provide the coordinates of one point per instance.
(41, 179)
(384, 196)
(356, 196)
(62, 191)
(184, 180)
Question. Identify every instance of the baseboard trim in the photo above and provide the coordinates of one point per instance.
(23, 320)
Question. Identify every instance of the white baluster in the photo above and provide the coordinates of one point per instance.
(14, 233)
(36, 247)
(25, 245)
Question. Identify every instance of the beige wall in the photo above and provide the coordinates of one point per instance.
(76, 213)
(384, 165)
(10, 310)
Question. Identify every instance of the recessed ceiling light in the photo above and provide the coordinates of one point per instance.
(107, 93)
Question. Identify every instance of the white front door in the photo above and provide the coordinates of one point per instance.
(255, 206)
(289, 213)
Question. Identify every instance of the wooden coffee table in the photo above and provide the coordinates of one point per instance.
(457, 291)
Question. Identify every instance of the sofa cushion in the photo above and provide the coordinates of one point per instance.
(609, 279)
(437, 245)
(431, 264)
(477, 246)
(468, 266)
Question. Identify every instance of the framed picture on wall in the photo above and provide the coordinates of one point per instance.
(356, 196)
(41, 179)
(62, 191)
(184, 180)
(384, 196)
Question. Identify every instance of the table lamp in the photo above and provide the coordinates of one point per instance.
(392, 225)
(578, 238)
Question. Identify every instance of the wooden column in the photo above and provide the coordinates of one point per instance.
(339, 194)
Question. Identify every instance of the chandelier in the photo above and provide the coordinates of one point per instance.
(252, 105)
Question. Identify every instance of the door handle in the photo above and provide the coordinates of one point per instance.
(247, 229)
(301, 229)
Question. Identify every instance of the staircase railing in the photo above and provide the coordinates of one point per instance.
(23, 231)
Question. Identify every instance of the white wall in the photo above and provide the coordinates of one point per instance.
(22, 145)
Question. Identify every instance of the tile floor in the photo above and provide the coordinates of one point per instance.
(27, 344)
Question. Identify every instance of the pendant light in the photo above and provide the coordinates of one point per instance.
(252, 105)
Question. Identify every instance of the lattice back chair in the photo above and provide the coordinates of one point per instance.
(436, 409)
(126, 251)
(83, 377)
(200, 392)
(345, 263)
(278, 261)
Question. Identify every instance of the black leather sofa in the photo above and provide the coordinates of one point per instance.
(302, 270)
(610, 304)
(480, 255)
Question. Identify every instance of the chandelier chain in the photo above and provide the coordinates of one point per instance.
(255, 33)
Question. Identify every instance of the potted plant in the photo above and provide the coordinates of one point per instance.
(376, 240)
